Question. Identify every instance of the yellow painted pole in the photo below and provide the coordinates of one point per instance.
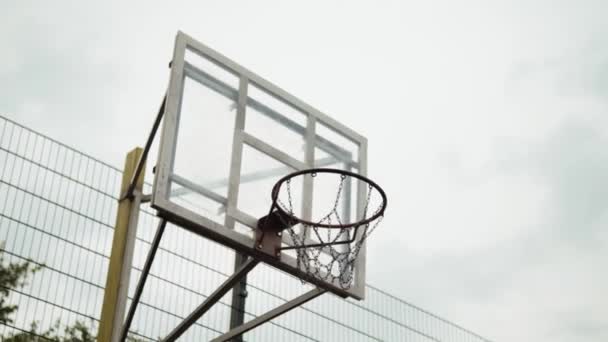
(114, 299)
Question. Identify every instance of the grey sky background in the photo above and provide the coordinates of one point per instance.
(486, 124)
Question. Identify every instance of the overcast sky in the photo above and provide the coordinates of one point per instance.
(487, 125)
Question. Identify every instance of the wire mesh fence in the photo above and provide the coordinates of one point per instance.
(57, 211)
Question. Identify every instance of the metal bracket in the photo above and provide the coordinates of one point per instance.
(146, 198)
(269, 232)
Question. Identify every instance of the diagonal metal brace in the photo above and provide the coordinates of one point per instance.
(226, 286)
(254, 323)
(142, 160)
(142, 278)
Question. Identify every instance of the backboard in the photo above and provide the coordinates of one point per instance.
(228, 135)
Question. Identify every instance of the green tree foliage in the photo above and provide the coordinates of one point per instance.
(13, 276)
(78, 332)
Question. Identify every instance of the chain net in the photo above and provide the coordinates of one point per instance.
(330, 254)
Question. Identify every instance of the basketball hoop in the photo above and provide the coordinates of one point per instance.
(326, 246)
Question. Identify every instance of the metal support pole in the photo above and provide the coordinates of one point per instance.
(292, 304)
(142, 279)
(226, 286)
(239, 296)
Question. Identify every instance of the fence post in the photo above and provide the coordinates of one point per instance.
(121, 257)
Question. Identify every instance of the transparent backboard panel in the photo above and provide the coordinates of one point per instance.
(333, 148)
(206, 117)
(228, 136)
(275, 122)
(211, 73)
(259, 173)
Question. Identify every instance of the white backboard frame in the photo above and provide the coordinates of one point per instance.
(225, 233)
